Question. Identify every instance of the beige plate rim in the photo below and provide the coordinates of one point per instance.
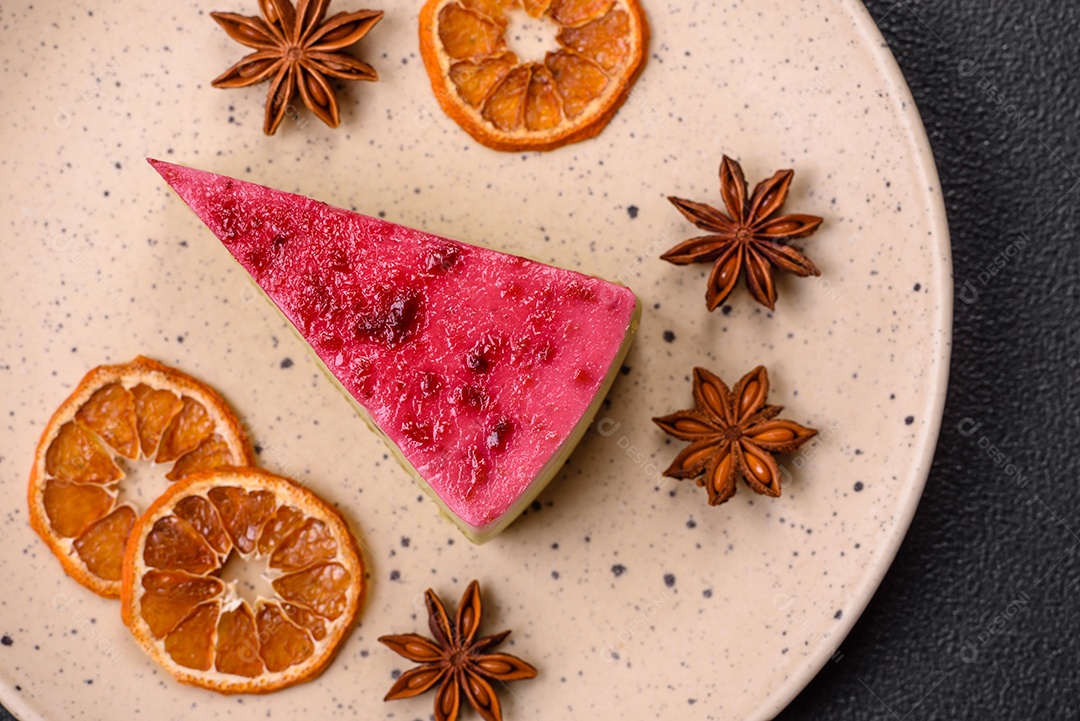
(922, 157)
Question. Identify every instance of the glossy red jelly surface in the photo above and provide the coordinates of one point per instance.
(477, 364)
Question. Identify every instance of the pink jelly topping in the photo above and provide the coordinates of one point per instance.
(477, 364)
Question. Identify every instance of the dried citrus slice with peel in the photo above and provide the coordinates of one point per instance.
(510, 104)
(137, 410)
(198, 625)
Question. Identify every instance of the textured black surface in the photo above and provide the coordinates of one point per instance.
(978, 617)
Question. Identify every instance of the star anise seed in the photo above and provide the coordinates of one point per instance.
(296, 51)
(747, 239)
(458, 662)
(732, 433)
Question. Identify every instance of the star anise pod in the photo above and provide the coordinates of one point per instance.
(460, 663)
(730, 434)
(297, 51)
(748, 238)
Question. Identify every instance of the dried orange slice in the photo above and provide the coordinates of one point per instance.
(137, 410)
(509, 104)
(197, 625)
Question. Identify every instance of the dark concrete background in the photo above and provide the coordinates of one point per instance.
(979, 615)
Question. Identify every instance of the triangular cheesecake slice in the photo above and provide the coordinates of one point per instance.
(483, 369)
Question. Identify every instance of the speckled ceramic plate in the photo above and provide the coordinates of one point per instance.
(633, 597)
